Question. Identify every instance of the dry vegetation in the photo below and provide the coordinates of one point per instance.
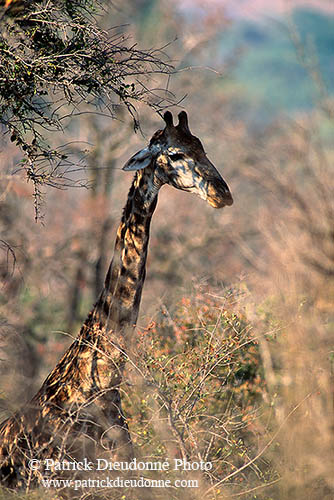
(232, 361)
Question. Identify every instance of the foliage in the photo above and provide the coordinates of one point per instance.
(55, 63)
(253, 372)
(201, 389)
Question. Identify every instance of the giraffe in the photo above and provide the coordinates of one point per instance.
(77, 411)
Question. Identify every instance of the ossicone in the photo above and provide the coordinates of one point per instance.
(168, 117)
(183, 122)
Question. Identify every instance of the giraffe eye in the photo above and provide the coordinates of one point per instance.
(176, 156)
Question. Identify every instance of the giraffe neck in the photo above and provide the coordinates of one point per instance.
(118, 304)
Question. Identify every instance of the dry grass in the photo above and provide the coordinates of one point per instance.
(235, 363)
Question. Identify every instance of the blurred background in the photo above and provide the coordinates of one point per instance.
(257, 81)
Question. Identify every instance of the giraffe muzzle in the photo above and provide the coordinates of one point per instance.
(219, 194)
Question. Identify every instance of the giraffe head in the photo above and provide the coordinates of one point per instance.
(177, 157)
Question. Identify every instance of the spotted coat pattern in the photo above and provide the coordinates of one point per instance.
(77, 412)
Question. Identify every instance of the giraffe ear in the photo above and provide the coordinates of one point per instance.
(140, 160)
